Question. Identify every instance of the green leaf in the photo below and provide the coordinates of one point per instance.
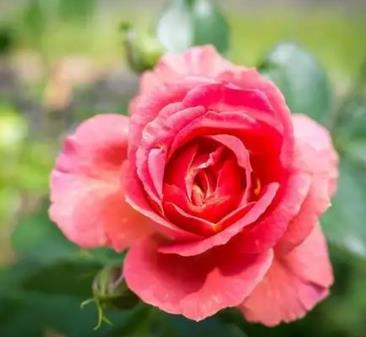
(300, 78)
(38, 239)
(355, 123)
(344, 222)
(178, 326)
(34, 313)
(76, 279)
(16, 320)
(185, 23)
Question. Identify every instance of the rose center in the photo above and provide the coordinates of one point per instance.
(203, 180)
(202, 188)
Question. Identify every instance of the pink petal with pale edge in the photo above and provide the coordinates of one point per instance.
(314, 154)
(195, 62)
(196, 287)
(295, 283)
(86, 190)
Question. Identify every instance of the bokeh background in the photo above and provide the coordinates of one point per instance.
(62, 61)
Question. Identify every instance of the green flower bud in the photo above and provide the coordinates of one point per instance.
(110, 289)
(143, 50)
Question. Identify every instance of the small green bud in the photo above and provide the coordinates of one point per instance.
(142, 50)
(110, 289)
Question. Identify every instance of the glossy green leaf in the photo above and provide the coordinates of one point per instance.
(31, 314)
(178, 326)
(344, 223)
(185, 23)
(354, 121)
(16, 320)
(300, 78)
(38, 239)
(76, 279)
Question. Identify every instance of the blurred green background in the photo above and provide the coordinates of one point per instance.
(62, 61)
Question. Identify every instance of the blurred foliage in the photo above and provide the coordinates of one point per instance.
(25, 164)
(344, 223)
(46, 278)
(300, 78)
(333, 36)
(7, 39)
(197, 21)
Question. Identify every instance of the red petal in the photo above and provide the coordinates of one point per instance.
(197, 247)
(136, 197)
(266, 233)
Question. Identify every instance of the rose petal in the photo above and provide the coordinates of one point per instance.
(136, 197)
(195, 287)
(203, 61)
(157, 135)
(266, 232)
(221, 238)
(224, 97)
(315, 154)
(242, 156)
(188, 221)
(250, 79)
(86, 191)
(295, 283)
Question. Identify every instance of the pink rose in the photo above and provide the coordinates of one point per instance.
(215, 188)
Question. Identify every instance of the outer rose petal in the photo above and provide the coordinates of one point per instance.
(197, 61)
(314, 154)
(86, 191)
(196, 287)
(295, 283)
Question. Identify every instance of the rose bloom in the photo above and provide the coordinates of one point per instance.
(213, 187)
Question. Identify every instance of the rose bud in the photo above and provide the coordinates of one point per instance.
(142, 49)
(110, 290)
